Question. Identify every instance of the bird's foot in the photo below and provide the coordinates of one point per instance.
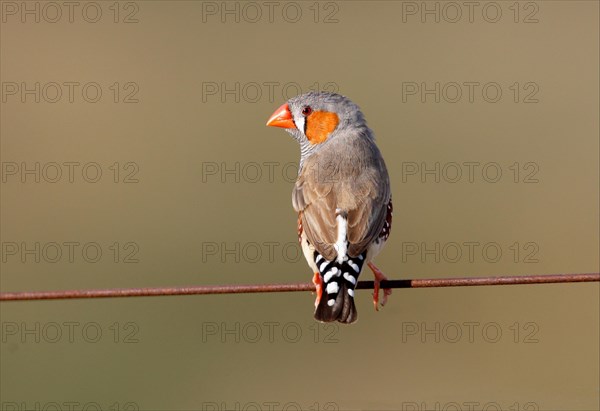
(318, 282)
(379, 276)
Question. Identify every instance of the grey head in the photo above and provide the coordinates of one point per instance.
(316, 119)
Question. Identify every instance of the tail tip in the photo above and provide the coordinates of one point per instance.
(342, 310)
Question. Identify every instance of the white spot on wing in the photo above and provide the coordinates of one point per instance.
(351, 279)
(350, 292)
(354, 266)
(330, 302)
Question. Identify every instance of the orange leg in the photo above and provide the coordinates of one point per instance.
(318, 282)
(379, 276)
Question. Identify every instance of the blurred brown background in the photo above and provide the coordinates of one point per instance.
(194, 189)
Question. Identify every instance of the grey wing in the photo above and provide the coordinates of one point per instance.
(317, 204)
(363, 193)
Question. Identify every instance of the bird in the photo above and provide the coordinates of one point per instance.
(342, 196)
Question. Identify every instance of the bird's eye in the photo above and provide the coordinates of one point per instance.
(306, 111)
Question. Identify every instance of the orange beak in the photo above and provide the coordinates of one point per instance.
(282, 117)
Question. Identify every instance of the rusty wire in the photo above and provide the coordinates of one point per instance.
(273, 288)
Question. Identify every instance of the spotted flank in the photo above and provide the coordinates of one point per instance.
(339, 282)
(300, 228)
(387, 226)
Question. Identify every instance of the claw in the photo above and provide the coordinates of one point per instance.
(379, 276)
(318, 282)
(376, 295)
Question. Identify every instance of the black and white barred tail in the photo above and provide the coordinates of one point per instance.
(339, 282)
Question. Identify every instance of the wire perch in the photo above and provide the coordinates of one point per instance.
(274, 288)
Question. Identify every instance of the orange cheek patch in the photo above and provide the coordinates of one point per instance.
(319, 126)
